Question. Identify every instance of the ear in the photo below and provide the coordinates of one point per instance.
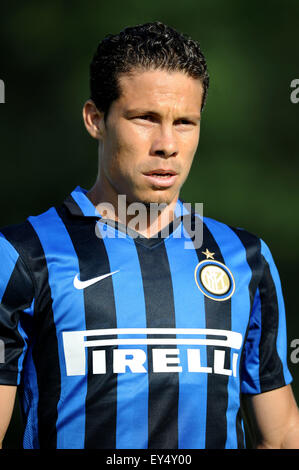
(93, 120)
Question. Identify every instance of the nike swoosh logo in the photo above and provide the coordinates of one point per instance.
(83, 284)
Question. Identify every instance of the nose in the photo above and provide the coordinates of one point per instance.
(165, 143)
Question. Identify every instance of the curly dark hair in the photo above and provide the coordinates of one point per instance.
(147, 46)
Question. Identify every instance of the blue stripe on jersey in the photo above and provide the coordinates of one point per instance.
(6, 269)
(251, 381)
(86, 206)
(28, 311)
(68, 311)
(281, 341)
(180, 209)
(240, 308)
(192, 406)
(132, 410)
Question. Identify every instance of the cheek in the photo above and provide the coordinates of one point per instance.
(189, 147)
(193, 141)
(120, 163)
(128, 141)
(130, 153)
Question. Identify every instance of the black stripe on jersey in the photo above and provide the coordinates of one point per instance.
(17, 296)
(239, 430)
(72, 206)
(218, 316)
(252, 246)
(160, 313)
(45, 347)
(271, 370)
(101, 399)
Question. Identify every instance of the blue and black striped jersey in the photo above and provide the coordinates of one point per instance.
(126, 342)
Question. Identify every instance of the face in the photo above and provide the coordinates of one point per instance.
(150, 136)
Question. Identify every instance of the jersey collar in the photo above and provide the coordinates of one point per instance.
(79, 205)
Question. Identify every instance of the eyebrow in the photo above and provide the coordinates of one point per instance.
(144, 111)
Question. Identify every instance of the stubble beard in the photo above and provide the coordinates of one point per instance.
(150, 203)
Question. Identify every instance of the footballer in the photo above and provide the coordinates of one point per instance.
(123, 336)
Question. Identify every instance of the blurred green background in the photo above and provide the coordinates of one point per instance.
(246, 168)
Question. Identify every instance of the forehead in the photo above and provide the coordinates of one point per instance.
(160, 88)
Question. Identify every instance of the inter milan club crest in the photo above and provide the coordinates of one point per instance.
(213, 278)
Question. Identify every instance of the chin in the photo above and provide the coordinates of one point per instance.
(155, 199)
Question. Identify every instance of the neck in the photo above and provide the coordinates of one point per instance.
(146, 218)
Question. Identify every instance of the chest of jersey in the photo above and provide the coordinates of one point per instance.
(149, 335)
(122, 307)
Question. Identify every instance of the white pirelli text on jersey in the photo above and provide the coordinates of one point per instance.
(134, 359)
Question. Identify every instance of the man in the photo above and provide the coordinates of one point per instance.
(125, 336)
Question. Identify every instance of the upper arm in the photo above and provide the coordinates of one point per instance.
(268, 401)
(7, 400)
(264, 365)
(273, 418)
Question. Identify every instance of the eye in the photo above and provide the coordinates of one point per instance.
(146, 117)
(185, 122)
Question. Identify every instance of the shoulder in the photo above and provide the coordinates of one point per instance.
(21, 238)
(258, 252)
(233, 234)
(225, 235)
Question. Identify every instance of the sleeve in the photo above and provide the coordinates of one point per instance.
(264, 366)
(16, 304)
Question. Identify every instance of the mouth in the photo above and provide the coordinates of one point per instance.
(161, 178)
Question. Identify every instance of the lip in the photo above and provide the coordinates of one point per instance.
(161, 171)
(161, 181)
